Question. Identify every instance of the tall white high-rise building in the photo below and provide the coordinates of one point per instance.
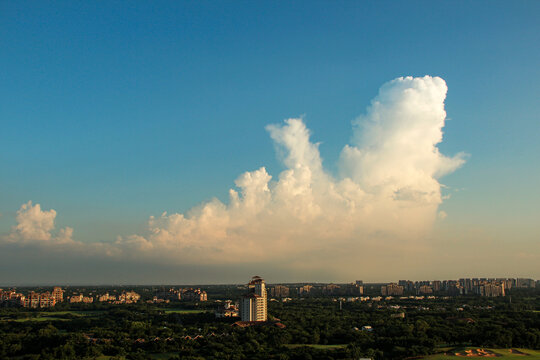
(253, 304)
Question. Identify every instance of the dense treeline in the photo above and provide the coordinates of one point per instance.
(138, 331)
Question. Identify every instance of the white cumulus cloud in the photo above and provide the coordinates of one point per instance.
(378, 210)
(36, 225)
(386, 195)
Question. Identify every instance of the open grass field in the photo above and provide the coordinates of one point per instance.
(184, 311)
(40, 318)
(61, 315)
(318, 346)
(75, 312)
(163, 356)
(499, 354)
(53, 315)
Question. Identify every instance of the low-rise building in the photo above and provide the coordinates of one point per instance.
(194, 295)
(228, 309)
(10, 298)
(38, 300)
(58, 294)
(128, 297)
(106, 297)
(80, 298)
(169, 295)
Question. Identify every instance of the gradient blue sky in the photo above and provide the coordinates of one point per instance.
(114, 111)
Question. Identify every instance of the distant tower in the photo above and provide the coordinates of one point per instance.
(253, 304)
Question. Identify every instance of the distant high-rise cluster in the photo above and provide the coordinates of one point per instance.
(391, 289)
(253, 303)
(466, 286)
(350, 289)
(523, 283)
(172, 294)
(305, 290)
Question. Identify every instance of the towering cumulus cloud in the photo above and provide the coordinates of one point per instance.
(384, 200)
(378, 210)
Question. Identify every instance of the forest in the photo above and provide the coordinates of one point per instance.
(312, 328)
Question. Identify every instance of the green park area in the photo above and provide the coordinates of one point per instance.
(52, 315)
(184, 311)
(318, 346)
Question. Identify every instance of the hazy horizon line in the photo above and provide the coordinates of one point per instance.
(244, 283)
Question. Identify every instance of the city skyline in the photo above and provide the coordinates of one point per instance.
(195, 143)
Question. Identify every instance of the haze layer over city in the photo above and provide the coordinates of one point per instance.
(206, 142)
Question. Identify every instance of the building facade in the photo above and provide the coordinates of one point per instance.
(253, 304)
(391, 289)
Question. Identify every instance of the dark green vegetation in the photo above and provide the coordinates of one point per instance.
(499, 354)
(315, 329)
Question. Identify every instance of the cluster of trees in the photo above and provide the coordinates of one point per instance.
(312, 326)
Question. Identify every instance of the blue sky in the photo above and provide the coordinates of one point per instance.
(114, 111)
